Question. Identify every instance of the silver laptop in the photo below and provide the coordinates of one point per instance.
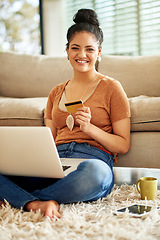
(31, 151)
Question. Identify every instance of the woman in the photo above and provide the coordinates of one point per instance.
(97, 131)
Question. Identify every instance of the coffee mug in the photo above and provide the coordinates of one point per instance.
(147, 187)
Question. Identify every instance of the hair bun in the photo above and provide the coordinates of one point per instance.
(86, 15)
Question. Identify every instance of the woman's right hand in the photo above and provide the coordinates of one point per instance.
(83, 117)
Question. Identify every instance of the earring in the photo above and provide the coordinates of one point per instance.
(68, 56)
(99, 59)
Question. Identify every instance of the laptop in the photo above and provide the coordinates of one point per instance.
(31, 151)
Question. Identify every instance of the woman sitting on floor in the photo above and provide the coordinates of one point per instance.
(97, 131)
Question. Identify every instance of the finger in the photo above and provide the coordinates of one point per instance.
(85, 109)
(82, 120)
(84, 114)
(83, 117)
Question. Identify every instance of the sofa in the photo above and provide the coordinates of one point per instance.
(26, 80)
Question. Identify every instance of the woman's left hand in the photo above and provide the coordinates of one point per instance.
(83, 117)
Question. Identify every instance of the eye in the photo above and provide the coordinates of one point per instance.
(90, 49)
(74, 48)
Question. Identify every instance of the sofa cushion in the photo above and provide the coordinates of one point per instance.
(22, 112)
(24, 75)
(144, 152)
(138, 75)
(145, 113)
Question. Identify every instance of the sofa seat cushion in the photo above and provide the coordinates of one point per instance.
(145, 113)
(22, 111)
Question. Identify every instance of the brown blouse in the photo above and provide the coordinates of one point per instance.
(108, 103)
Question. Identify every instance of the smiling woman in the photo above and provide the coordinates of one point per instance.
(102, 125)
(100, 128)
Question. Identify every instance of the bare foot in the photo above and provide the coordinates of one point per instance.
(48, 208)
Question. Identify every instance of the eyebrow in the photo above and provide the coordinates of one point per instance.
(85, 46)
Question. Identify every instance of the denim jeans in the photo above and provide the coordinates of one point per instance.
(92, 180)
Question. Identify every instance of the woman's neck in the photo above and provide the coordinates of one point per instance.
(84, 77)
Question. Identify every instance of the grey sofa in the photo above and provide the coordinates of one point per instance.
(26, 80)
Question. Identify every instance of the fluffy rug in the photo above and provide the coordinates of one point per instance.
(85, 220)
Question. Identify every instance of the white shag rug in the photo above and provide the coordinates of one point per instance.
(93, 221)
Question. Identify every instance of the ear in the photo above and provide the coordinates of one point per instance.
(99, 51)
(67, 50)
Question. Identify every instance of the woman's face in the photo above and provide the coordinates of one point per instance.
(83, 51)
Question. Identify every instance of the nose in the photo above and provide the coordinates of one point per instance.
(81, 53)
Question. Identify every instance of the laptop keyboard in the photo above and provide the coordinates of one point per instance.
(65, 167)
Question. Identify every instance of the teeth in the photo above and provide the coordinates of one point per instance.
(80, 61)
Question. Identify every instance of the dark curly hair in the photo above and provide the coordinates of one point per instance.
(85, 20)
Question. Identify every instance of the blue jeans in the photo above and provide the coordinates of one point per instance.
(92, 180)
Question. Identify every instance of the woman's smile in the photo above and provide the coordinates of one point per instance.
(80, 61)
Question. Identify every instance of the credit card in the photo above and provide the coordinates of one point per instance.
(73, 106)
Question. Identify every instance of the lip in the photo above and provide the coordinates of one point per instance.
(81, 61)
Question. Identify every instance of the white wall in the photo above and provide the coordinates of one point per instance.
(54, 33)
